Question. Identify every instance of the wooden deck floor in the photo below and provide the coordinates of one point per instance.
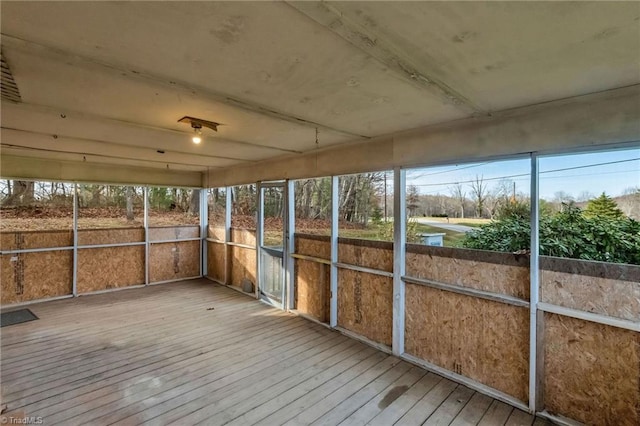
(198, 353)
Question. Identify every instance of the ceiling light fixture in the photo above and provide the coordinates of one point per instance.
(197, 124)
(197, 129)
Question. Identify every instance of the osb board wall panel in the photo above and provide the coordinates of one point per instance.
(503, 273)
(173, 233)
(243, 265)
(110, 267)
(215, 261)
(365, 304)
(216, 232)
(370, 254)
(110, 236)
(312, 292)
(35, 239)
(313, 245)
(591, 371)
(172, 261)
(31, 276)
(605, 288)
(484, 340)
(244, 236)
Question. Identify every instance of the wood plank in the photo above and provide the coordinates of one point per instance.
(345, 408)
(388, 395)
(106, 303)
(111, 363)
(155, 355)
(497, 414)
(542, 422)
(314, 412)
(196, 399)
(400, 406)
(113, 329)
(119, 314)
(202, 408)
(156, 325)
(111, 389)
(318, 394)
(428, 404)
(53, 327)
(264, 403)
(520, 418)
(473, 411)
(190, 373)
(450, 408)
(150, 363)
(94, 348)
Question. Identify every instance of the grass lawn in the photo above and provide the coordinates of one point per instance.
(473, 222)
(451, 238)
(382, 233)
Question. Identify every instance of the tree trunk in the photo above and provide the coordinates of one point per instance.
(130, 203)
(23, 193)
(194, 203)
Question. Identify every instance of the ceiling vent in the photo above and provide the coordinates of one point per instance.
(10, 90)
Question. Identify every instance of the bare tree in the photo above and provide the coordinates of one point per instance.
(585, 196)
(501, 195)
(359, 195)
(561, 198)
(629, 202)
(479, 194)
(412, 199)
(460, 196)
(22, 193)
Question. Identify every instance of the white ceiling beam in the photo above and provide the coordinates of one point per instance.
(30, 108)
(96, 159)
(19, 167)
(122, 70)
(44, 142)
(75, 124)
(364, 38)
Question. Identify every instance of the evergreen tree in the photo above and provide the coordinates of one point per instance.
(603, 206)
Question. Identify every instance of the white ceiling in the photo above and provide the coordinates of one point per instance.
(110, 80)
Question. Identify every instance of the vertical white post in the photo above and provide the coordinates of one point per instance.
(227, 233)
(146, 235)
(204, 230)
(75, 240)
(535, 318)
(399, 242)
(259, 236)
(333, 282)
(290, 229)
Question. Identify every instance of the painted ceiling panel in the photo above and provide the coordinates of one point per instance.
(511, 54)
(287, 78)
(262, 52)
(111, 95)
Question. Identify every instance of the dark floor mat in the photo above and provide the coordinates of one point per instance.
(16, 317)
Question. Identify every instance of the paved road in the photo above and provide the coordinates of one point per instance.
(447, 226)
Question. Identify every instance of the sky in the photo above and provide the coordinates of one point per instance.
(577, 175)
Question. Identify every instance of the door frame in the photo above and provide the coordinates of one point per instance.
(287, 285)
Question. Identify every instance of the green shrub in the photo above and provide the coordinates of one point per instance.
(570, 233)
